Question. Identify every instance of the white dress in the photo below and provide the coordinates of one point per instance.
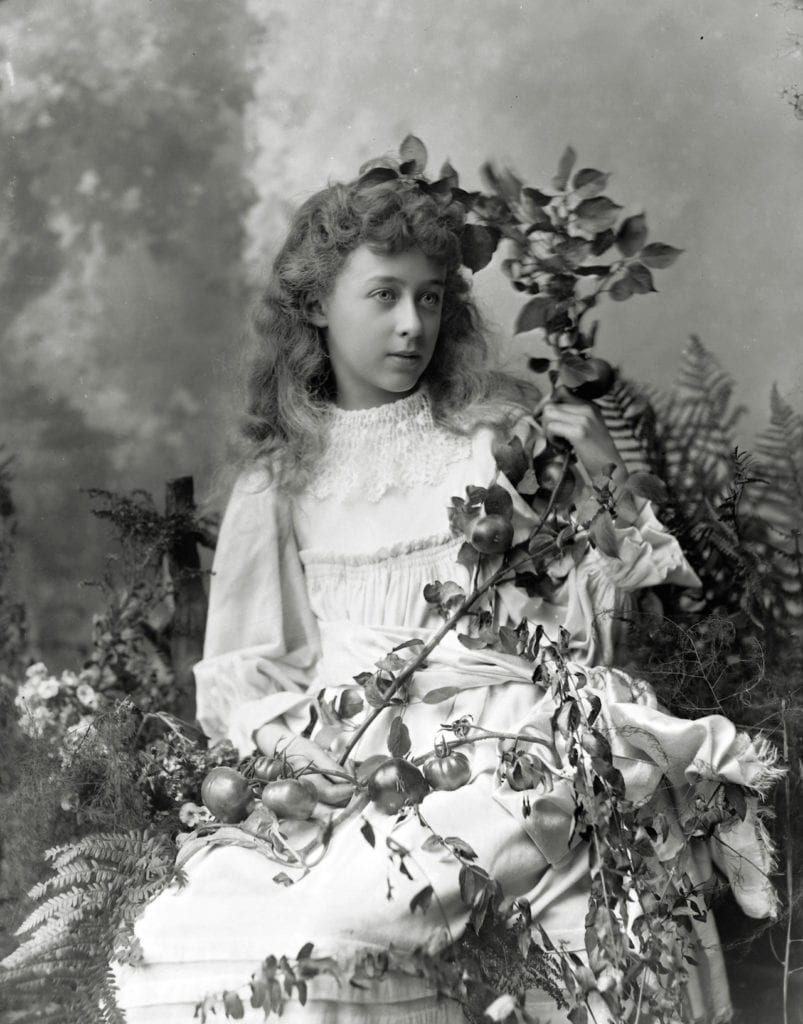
(306, 595)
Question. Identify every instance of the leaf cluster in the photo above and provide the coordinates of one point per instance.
(82, 919)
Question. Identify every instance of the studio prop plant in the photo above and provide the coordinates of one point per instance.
(566, 252)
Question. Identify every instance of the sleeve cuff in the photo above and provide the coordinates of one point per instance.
(648, 555)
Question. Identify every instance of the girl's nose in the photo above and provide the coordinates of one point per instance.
(408, 318)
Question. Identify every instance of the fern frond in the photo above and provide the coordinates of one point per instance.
(84, 915)
(75, 876)
(631, 421)
(696, 442)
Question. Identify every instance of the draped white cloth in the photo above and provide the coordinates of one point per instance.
(308, 593)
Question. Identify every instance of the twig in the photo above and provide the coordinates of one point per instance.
(464, 606)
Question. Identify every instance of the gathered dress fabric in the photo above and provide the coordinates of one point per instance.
(309, 592)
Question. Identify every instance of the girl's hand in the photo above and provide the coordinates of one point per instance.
(276, 740)
(581, 424)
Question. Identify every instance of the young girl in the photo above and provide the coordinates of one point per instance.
(370, 406)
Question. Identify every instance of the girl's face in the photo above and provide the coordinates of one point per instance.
(382, 320)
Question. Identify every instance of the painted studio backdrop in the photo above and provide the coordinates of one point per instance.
(150, 155)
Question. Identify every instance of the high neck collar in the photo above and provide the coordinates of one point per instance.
(389, 414)
(369, 452)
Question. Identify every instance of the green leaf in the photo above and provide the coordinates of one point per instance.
(398, 738)
(588, 182)
(413, 642)
(413, 150)
(646, 485)
(632, 235)
(528, 484)
(564, 169)
(259, 991)
(574, 370)
(473, 643)
(498, 502)
(468, 556)
(532, 203)
(640, 278)
(478, 243)
(233, 1005)
(597, 213)
(533, 314)
(622, 289)
(603, 240)
(461, 847)
(536, 197)
(735, 796)
(658, 256)
(350, 704)
(441, 694)
(512, 461)
(603, 535)
(573, 251)
(378, 176)
(422, 900)
(449, 174)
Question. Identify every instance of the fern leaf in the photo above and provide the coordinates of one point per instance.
(631, 421)
(697, 444)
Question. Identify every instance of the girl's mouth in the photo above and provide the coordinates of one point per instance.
(405, 357)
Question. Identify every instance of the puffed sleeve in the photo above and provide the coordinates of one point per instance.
(261, 642)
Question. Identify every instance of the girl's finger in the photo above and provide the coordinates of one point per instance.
(335, 794)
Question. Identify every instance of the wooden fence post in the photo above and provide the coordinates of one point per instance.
(189, 595)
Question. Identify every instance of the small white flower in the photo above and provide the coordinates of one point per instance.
(69, 680)
(189, 814)
(87, 696)
(47, 688)
(37, 670)
(501, 1008)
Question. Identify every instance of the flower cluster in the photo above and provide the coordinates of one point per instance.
(57, 707)
(173, 768)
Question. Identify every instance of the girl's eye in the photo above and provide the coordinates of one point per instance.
(431, 299)
(384, 294)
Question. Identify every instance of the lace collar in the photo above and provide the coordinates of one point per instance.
(371, 451)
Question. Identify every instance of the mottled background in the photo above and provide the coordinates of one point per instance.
(151, 152)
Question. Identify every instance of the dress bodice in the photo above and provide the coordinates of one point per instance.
(373, 527)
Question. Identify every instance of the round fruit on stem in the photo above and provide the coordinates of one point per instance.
(290, 798)
(597, 385)
(549, 478)
(266, 768)
(395, 784)
(226, 794)
(491, 534)
(449, 771)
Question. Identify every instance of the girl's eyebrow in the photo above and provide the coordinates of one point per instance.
(387, 279)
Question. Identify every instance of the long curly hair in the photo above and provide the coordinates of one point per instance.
(289, 381)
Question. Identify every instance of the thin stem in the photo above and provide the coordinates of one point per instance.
(407, 672)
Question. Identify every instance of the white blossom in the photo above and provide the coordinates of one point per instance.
(87, 696)
(47, 688)
(501, 1008)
